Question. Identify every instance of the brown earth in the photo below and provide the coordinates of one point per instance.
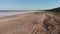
(41, 23)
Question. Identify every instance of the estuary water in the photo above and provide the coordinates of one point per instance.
(9, 13)
(2, 14)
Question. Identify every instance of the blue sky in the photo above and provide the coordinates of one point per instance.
(28, 4)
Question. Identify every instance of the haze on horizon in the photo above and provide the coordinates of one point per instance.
(28, 4)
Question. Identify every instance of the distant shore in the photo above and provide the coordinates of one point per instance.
(3, 14)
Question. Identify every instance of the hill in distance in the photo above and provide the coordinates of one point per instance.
(54, 9)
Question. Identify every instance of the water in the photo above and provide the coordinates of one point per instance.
(10, 13)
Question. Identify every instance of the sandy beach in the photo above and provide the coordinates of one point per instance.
(30, 23)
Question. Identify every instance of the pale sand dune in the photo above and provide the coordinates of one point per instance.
(30, 24)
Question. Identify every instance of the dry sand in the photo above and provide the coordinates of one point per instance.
(30, 24)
